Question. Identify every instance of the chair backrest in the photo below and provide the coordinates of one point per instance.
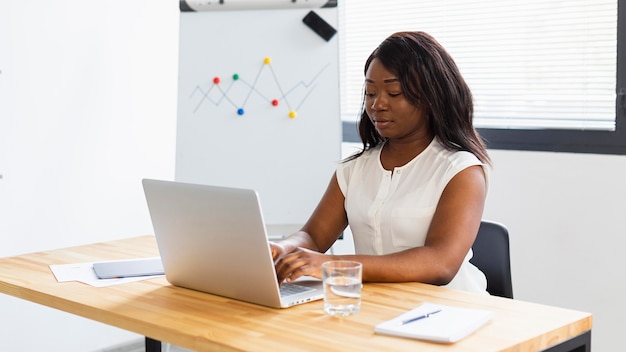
(492, 257)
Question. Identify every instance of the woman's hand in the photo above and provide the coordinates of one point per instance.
(278, 251)
(300, 262)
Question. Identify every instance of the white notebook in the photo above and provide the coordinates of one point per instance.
(436, 322)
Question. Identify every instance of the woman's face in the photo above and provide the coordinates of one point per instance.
(391, 113)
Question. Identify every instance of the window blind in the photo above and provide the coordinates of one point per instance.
(537, 64)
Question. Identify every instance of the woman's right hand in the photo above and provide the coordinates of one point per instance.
(278, 251)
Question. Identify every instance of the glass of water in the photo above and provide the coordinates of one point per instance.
(342, 287)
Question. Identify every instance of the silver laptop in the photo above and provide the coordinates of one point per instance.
(213, 239)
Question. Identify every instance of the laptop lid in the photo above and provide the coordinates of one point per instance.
(213, 239)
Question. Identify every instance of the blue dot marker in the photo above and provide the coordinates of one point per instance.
(240, 111)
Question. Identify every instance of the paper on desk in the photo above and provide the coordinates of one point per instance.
(84, 273)
(449, 324)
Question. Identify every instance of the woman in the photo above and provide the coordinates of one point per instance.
(414, 195)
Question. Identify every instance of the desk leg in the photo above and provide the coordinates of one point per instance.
(153, 345)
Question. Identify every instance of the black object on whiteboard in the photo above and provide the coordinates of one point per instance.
(319, 25)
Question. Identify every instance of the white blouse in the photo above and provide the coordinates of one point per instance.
(390, 211)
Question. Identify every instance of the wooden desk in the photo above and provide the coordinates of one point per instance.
(200, 321)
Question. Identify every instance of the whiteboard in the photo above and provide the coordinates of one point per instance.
(258, 106)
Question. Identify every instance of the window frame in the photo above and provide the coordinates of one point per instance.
(560, 140)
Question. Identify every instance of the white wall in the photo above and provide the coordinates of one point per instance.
(565, 214)
(87, 108)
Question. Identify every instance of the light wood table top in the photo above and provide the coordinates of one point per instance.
(201, 321)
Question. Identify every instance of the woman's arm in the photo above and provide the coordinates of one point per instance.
(451, 234)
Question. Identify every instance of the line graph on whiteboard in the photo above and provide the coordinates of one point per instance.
(263, 89)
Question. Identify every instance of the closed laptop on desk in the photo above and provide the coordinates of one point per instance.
(213, 239)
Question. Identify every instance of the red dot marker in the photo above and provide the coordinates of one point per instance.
(216, 80)
(275, 102)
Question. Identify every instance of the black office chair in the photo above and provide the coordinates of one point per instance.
(492, 257)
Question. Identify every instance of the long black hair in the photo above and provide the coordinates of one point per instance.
(428, 75)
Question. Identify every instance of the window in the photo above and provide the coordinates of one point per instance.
(546, 74)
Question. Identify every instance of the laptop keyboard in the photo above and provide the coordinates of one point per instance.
(292, 289)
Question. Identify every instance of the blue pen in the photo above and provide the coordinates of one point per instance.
(419, 317)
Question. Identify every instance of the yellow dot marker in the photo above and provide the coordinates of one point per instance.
(292, 114)
(267, 60)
